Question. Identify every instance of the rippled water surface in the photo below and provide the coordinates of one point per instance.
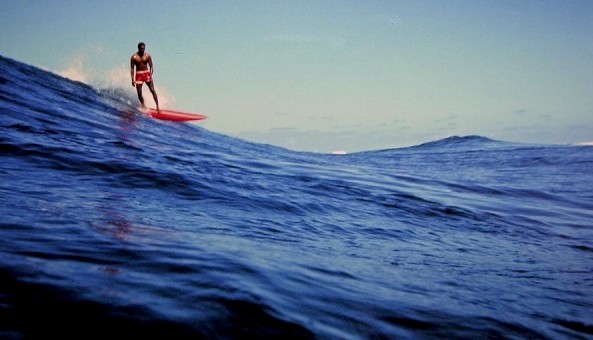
(117, 224)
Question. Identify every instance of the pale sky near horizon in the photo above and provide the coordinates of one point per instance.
(334, 75)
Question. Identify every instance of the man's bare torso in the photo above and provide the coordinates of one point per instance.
(141, 62)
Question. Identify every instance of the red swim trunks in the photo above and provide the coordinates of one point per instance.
(143, 77)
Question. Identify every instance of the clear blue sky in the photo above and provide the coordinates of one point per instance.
(334, 75)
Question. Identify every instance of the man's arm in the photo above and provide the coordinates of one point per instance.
(150, 64)
(132, 71)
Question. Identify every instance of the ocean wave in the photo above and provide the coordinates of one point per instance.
(116, 222)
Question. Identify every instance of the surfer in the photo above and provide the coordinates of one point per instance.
(142, 62)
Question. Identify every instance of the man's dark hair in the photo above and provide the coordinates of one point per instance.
(141, 44)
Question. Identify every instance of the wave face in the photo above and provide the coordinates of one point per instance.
(114, 223)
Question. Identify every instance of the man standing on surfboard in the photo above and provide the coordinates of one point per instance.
(143, 74)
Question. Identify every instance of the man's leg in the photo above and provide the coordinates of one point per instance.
(139, 90)
(156, 99)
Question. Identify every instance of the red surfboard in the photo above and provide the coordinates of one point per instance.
(174, 116)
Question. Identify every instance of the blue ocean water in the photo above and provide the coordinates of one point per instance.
(114, 224)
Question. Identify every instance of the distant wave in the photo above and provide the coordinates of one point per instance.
(457, 141)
